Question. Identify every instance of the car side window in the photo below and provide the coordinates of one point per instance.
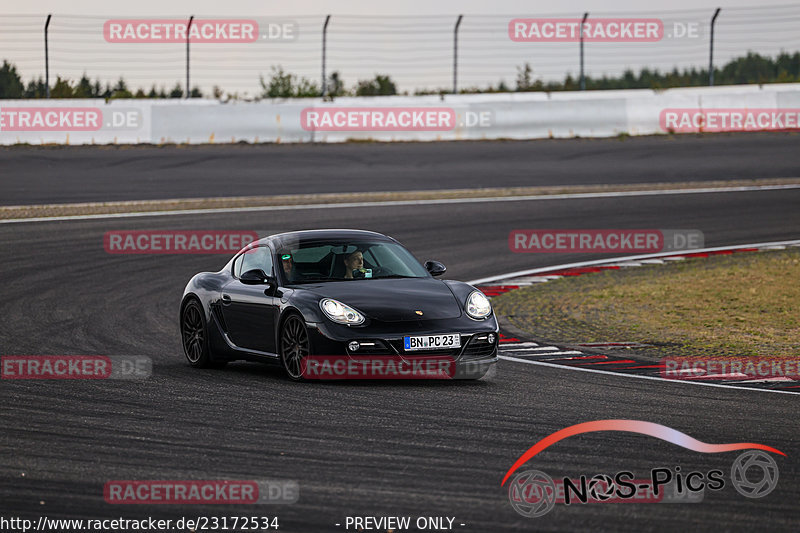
(258, 257)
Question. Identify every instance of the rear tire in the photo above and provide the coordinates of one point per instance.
(194, 336)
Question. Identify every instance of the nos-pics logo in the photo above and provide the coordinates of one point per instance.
(533, 493)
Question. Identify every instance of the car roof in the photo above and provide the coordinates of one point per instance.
(293, 237)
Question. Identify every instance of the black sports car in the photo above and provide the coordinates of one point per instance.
(335, 293)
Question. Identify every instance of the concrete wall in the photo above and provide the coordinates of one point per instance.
(479, 116)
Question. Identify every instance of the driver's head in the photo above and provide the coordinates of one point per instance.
(287, 262)
(354, 261)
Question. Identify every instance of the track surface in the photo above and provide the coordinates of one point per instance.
(36, 175)
(359, 448)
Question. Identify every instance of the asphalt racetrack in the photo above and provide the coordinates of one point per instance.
(364, 449)
(43, 175)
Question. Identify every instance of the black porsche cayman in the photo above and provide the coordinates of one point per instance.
(340, 293)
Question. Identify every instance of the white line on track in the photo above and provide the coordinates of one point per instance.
(537, 349)
(388, 203)
(519, 344)
(663, 255)
(638, 376)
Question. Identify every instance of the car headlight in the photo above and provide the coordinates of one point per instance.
(478, 305)
(341, 313)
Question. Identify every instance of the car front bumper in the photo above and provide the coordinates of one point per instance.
(473, 359)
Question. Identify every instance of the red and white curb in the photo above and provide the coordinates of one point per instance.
(496, 285)
(544, 354)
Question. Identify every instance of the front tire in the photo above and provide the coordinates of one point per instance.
(194, 336)
(294, 345)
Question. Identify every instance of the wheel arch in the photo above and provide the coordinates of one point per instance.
(188, 297)
(285, 314)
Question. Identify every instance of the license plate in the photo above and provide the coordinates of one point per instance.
(427, 342)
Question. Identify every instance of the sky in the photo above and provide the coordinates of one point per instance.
(410, 40)
(319, 7)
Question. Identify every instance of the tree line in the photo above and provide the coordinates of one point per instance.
(752, 68)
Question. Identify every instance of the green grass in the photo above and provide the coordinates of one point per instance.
(740, 304)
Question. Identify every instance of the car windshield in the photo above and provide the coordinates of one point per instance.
(335, 260)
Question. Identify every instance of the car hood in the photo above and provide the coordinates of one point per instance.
(393, 300)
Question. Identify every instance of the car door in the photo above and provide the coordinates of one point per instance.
(250, 311)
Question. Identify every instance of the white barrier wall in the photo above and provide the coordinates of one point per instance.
(477, 116)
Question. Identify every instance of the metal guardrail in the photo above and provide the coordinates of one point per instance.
(444, 53)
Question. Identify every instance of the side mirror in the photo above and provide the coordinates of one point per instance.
(254, 277)
(435, 268)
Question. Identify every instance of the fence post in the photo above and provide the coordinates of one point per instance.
(324, 52)
(583, 79)
(711, 50)
(47, 57)
(188, 31)
(455, 54)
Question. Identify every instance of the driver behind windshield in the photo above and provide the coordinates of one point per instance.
(354, 266)
(288, 267)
